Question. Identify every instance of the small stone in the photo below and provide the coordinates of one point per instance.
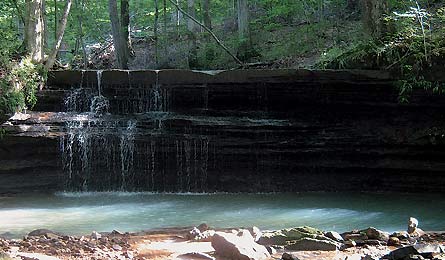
(194, 234)
(197, 255)
(393, 241)
(96, 235)
(413, 223)
(129, 255)
(203, 227)
(117, 247)
(271, 250)
(349, 243)
(369, 257)
(334, 235)
(117, 232)
(287, 256)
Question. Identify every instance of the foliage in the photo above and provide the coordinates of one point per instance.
(411, 49)
(19, 87)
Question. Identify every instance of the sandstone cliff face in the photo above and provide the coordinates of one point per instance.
(236, 131)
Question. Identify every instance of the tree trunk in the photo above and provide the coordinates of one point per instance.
(165, 28)
(125, 24)
(191, 11)
(206, 14)
(192, 29)
(118, 39)
(155, 29)
(62, 26)
(55, 20)
(243, 19)
(178, 22)
(35, 31)
(82, 41)
(209, 31)
(373, 14)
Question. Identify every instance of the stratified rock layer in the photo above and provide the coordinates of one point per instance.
(236, 131)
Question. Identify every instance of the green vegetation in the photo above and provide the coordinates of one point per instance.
(403, 36)
(413, 49)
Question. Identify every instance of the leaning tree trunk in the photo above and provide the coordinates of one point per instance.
(118, 39)
(35, 31)
(61, 31)
(243, 19)
(374, 12)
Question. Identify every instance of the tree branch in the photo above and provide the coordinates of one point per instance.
(209, 31)
(60, 33)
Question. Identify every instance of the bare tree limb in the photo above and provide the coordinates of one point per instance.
(209, 31)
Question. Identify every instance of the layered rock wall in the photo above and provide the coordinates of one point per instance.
(236, 131)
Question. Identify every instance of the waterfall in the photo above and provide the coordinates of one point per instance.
(99, 82)
(99, 104)
(111, 144)
(127, 153)
(156, 98)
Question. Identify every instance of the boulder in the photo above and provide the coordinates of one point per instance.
(44, 232)
(334, 236)
(280, 237)
(96, 235)
(393, 241)
(239, 246)
(413, 223)
(203, 227)
(349, 243)
(287, 256)
(256, 233)
(194, 234)
(413, 228)
(196, 255)
(4, 256)
(310, 244)
(423, 250)
(375, 234)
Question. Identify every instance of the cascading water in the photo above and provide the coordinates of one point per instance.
(156, 95)
(127, 153)
(99, 104)
(106, 148)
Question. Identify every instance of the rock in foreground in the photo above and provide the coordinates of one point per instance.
(239, 246)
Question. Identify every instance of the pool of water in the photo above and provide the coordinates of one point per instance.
(81, 213)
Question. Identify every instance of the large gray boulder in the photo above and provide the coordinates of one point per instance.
(240, 246)
(424, 250)
(310, 244)
(375, 234)
(281, 237)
